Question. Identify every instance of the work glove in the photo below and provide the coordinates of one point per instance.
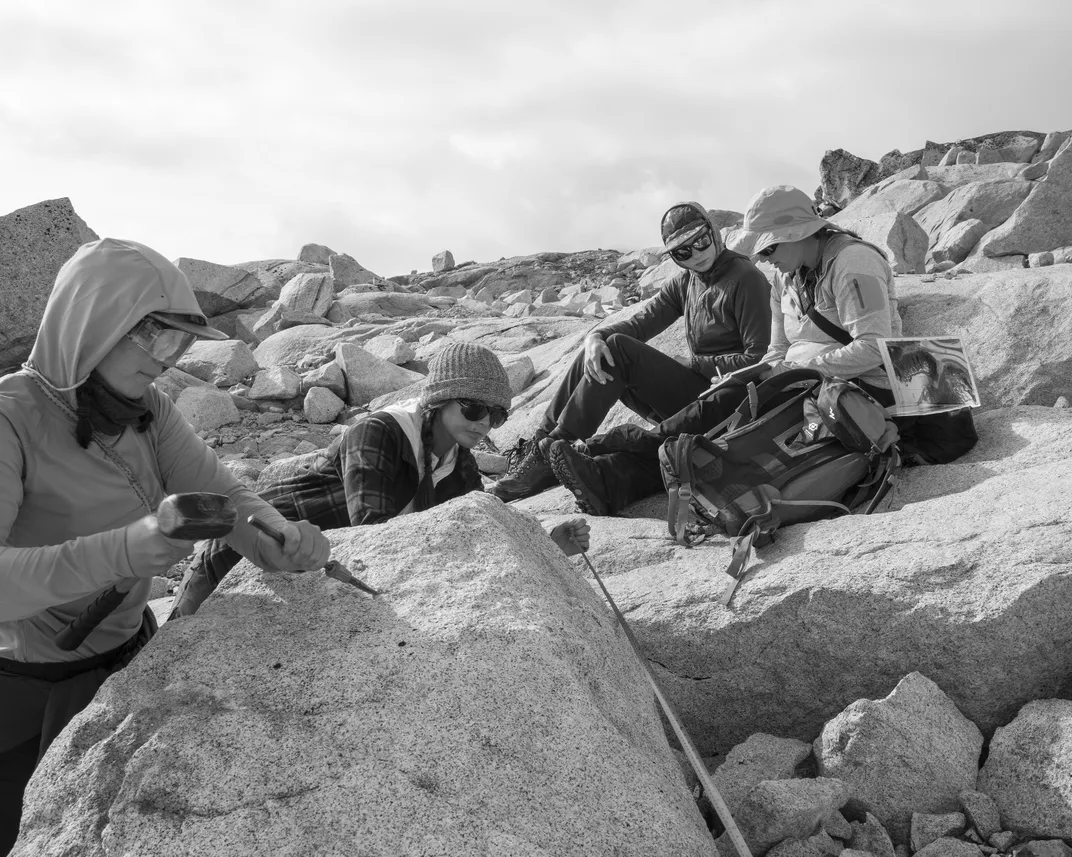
(149, 551)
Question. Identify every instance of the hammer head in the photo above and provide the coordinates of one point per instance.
(196, 515)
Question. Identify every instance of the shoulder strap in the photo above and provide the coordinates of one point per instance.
(838, 334)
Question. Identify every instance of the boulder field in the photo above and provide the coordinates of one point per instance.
(889, 685)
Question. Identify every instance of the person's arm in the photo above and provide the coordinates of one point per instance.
(858, 279)
(370, 458)
(751, 308)
(656, 314)
(187, 464)
(33, 579)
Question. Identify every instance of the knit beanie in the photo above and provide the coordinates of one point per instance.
(463, 370)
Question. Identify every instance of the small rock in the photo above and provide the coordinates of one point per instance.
(870, 836)
(1062, 402)
(760, 757)
(981, 812)
(269, 418)
(838, 827)
(1044, 848)
(275, 382)
(318, 253)
(1040, 260)
(1003, 840)
(304, 447)
(487, 462)
(927, 827)
(442, 262)
(207, 408)
(321, 405)
(392, 348)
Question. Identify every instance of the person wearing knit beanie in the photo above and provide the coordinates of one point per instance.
(463, 370)
(403, 458)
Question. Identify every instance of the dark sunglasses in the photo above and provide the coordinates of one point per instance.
(683, 254)
(767, 252)
(476, 411)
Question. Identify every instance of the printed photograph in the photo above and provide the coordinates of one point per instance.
(928, 375)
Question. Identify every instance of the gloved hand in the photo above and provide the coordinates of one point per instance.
(572, 536)
(149, 551)
(305, 548)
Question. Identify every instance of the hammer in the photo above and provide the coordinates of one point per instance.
(196, 515)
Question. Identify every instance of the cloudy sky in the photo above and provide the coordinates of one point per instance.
(232, 130)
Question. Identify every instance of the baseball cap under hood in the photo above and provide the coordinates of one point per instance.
(101, 293)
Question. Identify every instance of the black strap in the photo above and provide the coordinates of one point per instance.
(829, 328)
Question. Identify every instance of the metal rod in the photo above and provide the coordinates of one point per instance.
(691, 752)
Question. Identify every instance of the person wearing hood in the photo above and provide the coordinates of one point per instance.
(403, 458)
(832, 300)
(725, 302)
(88, 449)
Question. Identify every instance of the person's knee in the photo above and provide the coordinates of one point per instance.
(625, 351)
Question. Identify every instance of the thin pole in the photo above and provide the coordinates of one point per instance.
(686, 742)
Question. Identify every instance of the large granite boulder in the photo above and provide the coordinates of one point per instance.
(898, 235)
(991, 202)
(1044, 220)
(35, 241)
(310, 294)
(842, 176)
(288, 347)
(840, 610)
(912, 752)
(1027, 770)
(367, 376)
(223, 363)
(395, 304)
(904, 195)
(222, 288)
(485, 703)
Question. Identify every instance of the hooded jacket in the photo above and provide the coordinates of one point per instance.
(63, 508)
(726, 308)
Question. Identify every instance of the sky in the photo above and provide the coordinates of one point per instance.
(234, 131)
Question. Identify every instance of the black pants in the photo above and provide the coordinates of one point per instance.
(39, 700)
(644, 379)
(628, 456)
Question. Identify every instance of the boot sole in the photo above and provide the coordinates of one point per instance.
(563, 469)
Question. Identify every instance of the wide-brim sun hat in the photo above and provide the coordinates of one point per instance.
(776, 215)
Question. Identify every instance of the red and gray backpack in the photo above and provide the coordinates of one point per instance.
(799, 448)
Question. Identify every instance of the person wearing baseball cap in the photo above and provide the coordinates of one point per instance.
(724, 300)
(832, 300)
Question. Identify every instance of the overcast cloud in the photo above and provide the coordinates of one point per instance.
(391, 130)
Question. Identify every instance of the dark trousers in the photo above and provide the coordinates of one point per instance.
(628, 456)
(39, 700)
(644, 379)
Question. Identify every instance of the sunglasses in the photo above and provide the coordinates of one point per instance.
(683, 254)
(767, 252)
(476, 411)
(163, 343)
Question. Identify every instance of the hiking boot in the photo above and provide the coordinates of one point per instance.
(527, 473)
(581, 475)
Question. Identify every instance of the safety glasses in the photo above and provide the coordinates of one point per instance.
(163, 343)
(767, 252)
(476, 411)
(683, 254)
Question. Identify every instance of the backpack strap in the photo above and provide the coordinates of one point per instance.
(679, 491)
(838, 334)
(742, 553)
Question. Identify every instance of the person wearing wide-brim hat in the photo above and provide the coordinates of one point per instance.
(401, 459)
(725, 302)
(832, 300)
(88, 449)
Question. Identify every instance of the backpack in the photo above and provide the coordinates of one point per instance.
(799, 448)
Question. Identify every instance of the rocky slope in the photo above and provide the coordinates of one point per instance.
(898, 681)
